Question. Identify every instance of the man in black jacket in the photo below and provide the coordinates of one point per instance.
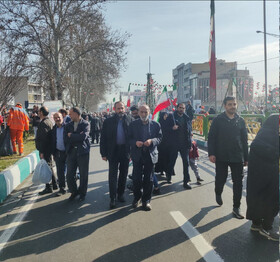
(114, 147)
(145, 135)
(179, 129)
(95, 127)
(43, 143)
(76, 138)
(228, 147)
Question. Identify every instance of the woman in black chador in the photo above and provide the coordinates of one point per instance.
(263, 179)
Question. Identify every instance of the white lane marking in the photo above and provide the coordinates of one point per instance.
(202, 246)
(8, 233)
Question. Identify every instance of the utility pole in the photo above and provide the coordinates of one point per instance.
(265, 50)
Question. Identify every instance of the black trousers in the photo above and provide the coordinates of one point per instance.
(237, 177)
(143, 177)
(184, 152)
(119, 162)
(49, 160)
(95, 136)
(73, 162)
(60, 161)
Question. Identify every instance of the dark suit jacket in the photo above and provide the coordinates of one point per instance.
(135, 135)
(43, 137)
(95, 124)
(79, 138)
(108, 140)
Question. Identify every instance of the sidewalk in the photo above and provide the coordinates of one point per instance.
(14, 175)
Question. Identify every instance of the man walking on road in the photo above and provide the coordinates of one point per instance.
(145, 135)
(76, 137)
(114, 147)
(95, 127)
(228, 147)
(43, 142)
(180, 136)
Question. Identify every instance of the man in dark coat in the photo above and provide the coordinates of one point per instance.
(43, 143)
(179, 125)
(228, 147)
(114, 147)
(95, 127)
(77, 146)
(145, 135)
(189, 110)
(263, 179)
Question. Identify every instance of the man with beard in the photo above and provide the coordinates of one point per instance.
(179, 125)
(114, 147)
(228, 147)
(145, 135)
(77, 146)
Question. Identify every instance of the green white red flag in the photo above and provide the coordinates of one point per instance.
(212, 47)
(128, 100)
(162, 103)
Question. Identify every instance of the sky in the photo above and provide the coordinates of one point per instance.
(175, 32)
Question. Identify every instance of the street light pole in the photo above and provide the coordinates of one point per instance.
(265, 57)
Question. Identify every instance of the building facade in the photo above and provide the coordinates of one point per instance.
(193, 79)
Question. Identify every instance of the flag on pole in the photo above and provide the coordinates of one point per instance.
(162, 103)
(128, 100)
(212, 47)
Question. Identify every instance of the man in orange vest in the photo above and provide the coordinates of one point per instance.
(18, 121)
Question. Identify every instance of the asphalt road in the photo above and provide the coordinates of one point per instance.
(184, 225)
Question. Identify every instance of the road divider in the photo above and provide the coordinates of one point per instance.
(13, 176)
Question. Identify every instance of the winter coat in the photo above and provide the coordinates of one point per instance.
(228, 139)
(18, 119)
(263, 172)
(43, 138)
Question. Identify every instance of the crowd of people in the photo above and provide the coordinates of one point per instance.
(153, 148)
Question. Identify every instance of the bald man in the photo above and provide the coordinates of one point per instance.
(144, 135)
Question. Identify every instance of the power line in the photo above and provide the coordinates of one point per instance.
(258, 61)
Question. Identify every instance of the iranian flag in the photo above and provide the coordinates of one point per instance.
(128, 100)
(162, 103)
(212, 48)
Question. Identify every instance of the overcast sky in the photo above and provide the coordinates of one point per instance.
(175, 32)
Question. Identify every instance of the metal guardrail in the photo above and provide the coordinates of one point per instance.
(201, 124)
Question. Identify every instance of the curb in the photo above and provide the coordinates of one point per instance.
(11, 177)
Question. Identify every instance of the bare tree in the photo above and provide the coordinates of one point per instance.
(13, 73)
(42, 28)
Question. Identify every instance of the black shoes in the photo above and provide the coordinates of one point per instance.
(236, 213)
(200, 180)
(121, 199)
(135, 203)
(54, 186)
(147, 206)
(113, 203)
(219, 200)
(156, 191)
(47, 190)
(73, 196)
(187, 186)
(82, 198)
(61, 192)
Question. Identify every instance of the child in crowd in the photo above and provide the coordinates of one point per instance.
(193, 158)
